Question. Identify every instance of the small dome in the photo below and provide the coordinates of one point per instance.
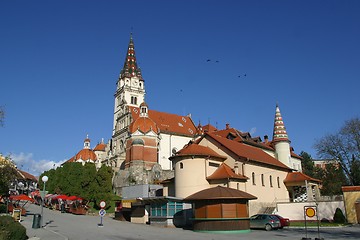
(100, 147)
(143, 124)
(85, 155)
(138, 141)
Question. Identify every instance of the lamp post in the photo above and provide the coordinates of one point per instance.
(44, 179)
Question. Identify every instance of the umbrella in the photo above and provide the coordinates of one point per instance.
(21, 197)
(63, 197)
(72, 198)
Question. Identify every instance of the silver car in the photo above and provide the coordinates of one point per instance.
(264, 221)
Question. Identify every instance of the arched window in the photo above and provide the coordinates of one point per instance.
(278, 182)
(271, 185)
(181, 165)
(262, 180)
(133, 100)
(253, 178)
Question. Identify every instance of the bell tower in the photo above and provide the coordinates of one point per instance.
(130, 92)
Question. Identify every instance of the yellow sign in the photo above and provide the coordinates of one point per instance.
(310, 212)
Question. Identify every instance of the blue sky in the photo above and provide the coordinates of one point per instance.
(60, 60)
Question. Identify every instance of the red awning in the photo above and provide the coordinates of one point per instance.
(21, 197)
(63, 197)
(73, 198)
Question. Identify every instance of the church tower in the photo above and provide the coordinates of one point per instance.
(130, 92)
(281, 140)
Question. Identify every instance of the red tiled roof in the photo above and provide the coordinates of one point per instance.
(244, 137)
(100, 147)
(197, 150)
(247, 152)
(85, 154)
(299, 177)
(143, 124)
(225, 172)
(28, 175)
(219, 193)
(350, 188)
(169, 123)
(209, 128)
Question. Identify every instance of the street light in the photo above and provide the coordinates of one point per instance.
(44, 179)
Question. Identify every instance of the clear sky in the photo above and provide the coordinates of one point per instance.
(60, 60)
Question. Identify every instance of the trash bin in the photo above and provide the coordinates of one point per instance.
(36, 221)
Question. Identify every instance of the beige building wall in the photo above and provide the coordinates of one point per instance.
(190, 175)
(268, 194)
(351, 196)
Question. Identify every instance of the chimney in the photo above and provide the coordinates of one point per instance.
(227, 126)
(236, 168)
(266, 138)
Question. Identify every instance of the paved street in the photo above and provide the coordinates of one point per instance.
(62, 226)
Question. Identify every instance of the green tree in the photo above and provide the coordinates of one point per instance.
(307, 164)
(8, 174)
(103, 185)
(343, 146)
(84, 181)
(329, 186)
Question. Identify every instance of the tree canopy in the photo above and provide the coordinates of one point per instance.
(84, 181)
(332, 171)
(344, 147)
(8, 174)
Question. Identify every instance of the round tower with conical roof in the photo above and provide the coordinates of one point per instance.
(281, 140)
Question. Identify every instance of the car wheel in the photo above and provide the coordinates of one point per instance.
(268, 227)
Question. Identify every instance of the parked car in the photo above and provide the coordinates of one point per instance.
(264, 221)
(284, 222)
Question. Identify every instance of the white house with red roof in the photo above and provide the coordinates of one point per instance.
(266, 169)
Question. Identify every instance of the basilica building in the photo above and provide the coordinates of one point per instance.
(150, 147)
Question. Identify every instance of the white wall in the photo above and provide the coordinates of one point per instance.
(295, 211)
(167, 143)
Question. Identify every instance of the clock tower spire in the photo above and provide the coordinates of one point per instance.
(130, 92)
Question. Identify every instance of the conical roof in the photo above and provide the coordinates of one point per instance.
(131, 68)
(219, 192)
(280, 133)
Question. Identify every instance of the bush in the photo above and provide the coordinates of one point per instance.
(11, 230)
(339, 216)
(3, 209)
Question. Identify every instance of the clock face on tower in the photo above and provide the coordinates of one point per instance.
(135, 82)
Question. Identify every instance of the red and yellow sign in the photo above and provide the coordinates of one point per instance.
(310, 212)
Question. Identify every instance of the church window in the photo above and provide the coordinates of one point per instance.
(253, 178)
(271, 184)
(278, 182)
(262, 180)
(143, 110)
(181, 165)
(133, 100)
